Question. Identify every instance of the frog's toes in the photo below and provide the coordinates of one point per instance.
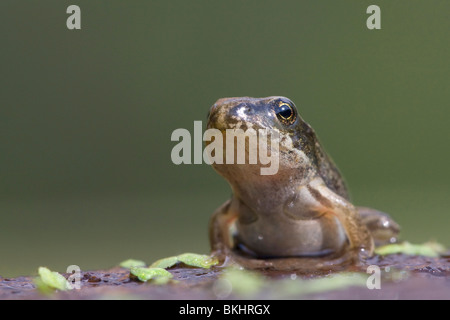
(382, 227)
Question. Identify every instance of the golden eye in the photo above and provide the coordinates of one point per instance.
(285, 113)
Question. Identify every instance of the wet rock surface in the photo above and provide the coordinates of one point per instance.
(404, 277)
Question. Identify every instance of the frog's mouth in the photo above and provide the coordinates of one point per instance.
(243, 146)
(246, 153)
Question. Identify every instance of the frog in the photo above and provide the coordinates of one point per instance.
(300, 218)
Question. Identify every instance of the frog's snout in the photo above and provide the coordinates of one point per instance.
(227, 112)
(218, 114)
(213, 117)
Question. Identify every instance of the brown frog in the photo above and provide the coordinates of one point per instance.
(299, 218)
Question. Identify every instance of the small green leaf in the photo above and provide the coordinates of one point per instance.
(428, 249)
(145, 274)
(132, 263)
(165, 263)
(197, 260)
(42, 287)
(53, 279)
(190, 259)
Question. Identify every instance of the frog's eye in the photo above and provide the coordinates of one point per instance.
(285, 113)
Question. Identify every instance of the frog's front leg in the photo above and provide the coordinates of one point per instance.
(221, 231)
(359, 237)
(383, 228)
(222, 237)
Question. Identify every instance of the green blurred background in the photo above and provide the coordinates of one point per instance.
(86, 116)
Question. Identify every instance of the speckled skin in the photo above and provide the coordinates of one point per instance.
(300, 217)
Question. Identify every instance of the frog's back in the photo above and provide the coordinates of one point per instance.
(331, 174)
(326, 167)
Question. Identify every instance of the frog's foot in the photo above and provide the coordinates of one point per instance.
(348, 258)
(382, 227)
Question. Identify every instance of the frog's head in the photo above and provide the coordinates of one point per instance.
(255, 113)
(276, 114)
